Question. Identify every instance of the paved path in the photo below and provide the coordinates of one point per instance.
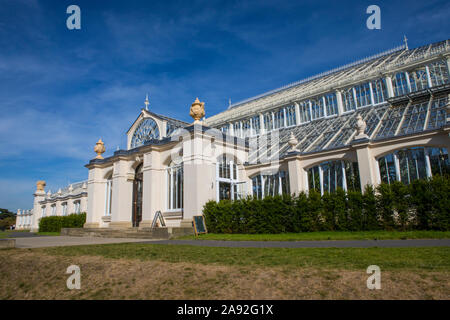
(59, 241)
(311, 244)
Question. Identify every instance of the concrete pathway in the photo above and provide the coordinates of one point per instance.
(311, 244)
(60, 241)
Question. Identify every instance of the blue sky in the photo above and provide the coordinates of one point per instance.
(61, 90)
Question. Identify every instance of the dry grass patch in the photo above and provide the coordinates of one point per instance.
(33, 274)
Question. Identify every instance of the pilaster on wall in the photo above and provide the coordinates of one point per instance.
(39, 195)
(296, 176)
(96, 197)
(153, 188)
(199, 173)
(366, 164)
(122, 194)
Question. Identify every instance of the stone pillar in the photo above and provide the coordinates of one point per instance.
(262, 128)
(231, 129)
(297, 113)
(199, 174)
(154, 188)
(339, 102)
(390, 88)
(366, 164)
(296, 176)
(96, 197)
(122, 195)
(18, 219)
(39, 195)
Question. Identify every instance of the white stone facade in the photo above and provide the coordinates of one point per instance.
(69, 200)
(381, 119)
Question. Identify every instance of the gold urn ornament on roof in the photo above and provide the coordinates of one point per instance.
(99, 149)
(197, 110)
(40, 185)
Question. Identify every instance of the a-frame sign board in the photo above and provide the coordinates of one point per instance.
(158, 217)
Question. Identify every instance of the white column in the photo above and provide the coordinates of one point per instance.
(324, 103)
(284, 115)
(122, 198)
(366, 163)
(297, 113)
(262, 129)
(428, 164)
(430, 84)
(296, 177)
(344, 176)
(354, 98)
(447, 60)
(339, 102)
(231, 129)
(310, 111)
(372, 100)
(390, 89)
(251, 127)
(321, 179)
(273, 121)
(408, 81)
(397, 167)
(154, 189)
(96, 197)
(199, 174)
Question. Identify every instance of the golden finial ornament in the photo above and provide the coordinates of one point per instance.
(99, 149)
(197, 110)
(40, 185)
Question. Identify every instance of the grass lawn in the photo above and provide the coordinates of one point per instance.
(325, 235)
(146, 271)
(7, 233)
(434, 258)
(48, 233)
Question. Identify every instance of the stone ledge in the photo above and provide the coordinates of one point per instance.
(7, 243)
(137, 233)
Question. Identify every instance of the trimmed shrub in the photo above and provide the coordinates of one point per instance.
(423, 205)
(55, 223)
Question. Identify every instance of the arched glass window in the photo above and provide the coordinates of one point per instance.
(256, 125)
(64, 208)
(227, 178)
(290, 116)
(268, 123)
(147, 130)
(270, 184)
(77, 206)
(317, 108)
(407, 165)
(108, 195)
(348, 99)
(331, 103)
(330, 175)
(175, 186)
(438, 72)
(400, 83)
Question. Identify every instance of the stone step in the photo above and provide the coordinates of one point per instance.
(136, 233)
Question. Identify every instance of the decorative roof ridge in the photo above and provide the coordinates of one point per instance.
(319, 75)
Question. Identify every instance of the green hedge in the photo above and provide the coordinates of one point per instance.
(422, 205)
(55, 223)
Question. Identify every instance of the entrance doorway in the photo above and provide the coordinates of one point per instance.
(137, 197)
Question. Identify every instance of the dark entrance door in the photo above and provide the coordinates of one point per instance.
(137, 197)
